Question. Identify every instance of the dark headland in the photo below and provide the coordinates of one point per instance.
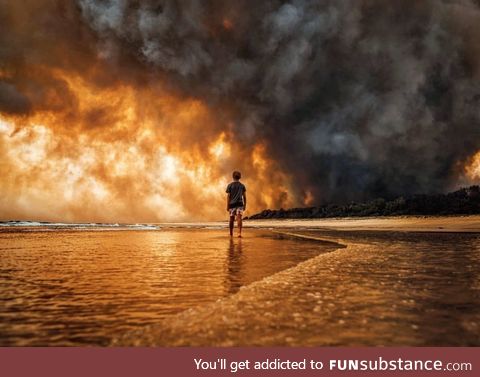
(465, 201)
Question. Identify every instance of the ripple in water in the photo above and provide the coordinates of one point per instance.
(392, 289)
(65, 287)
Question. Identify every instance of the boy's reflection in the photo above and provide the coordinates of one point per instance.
(233, 281)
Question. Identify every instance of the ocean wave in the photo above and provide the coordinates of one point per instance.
(77, 226)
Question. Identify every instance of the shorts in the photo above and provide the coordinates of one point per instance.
(236, 211)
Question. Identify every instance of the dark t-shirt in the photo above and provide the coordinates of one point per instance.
(236, 190)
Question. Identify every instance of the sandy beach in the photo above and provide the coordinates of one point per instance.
(404, 281)
(375, 289)
(401, 224)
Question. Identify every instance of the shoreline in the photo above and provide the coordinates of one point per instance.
(330, 291)
(457, 224)
(439, 224)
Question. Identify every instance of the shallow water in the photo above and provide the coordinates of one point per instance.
(177, 287)
(393, 289)
(86, 287)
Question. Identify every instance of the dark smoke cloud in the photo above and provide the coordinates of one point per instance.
(11, 101)
(354, 98)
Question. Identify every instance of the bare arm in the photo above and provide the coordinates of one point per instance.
(228, 200)
(244, 200)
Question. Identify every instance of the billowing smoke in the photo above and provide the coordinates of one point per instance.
(354, 98)
(327, 100)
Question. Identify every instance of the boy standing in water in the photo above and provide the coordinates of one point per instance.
(236, 201)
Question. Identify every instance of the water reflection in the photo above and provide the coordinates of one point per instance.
(234, 266)
(441, 285)
(422, 288)
(383, 289)
(86, 287)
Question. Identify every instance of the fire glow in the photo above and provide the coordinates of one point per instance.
(139, 111)
(472, 169)
(145, 164)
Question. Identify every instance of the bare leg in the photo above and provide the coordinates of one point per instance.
(239, 223)
(232, 218)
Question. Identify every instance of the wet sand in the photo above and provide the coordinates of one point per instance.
(77, 287)
(378, 288)
(403, 224)
(410, 281)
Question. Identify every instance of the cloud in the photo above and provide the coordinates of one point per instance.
(12, 101)
(346, 100)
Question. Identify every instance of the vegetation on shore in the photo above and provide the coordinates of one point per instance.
(462, 202)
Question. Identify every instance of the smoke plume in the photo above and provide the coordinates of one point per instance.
(119, 110)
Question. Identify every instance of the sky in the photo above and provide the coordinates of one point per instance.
(139, 111)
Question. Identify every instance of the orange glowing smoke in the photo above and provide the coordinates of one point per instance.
(275, 190)
(227, 24)
(127, 154)
(472, 169)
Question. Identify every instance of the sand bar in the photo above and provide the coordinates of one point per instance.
(403, 224)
